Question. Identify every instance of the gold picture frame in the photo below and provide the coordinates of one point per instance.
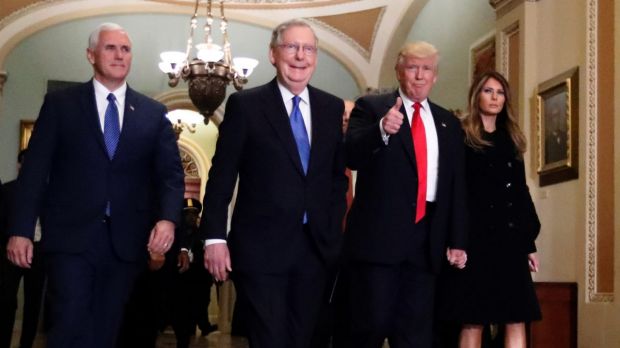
(558, 128)
(25, 130)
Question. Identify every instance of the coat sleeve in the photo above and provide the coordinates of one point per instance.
(363, 138)
(340, 181)
(530, 221)
(459, 227)
(34, 173)
(171, 185)
(224, 171)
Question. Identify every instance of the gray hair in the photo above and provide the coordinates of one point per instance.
(276, 35)
(93, 39)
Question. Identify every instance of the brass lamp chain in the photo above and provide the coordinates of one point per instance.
(224, 29)
(193, 24)
(208, 24)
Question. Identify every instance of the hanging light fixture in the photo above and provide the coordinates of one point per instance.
(212, 70)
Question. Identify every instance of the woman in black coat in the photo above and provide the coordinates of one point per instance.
(496, 285)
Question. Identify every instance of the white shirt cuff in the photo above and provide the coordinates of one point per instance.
(214, 241)
(384, 135)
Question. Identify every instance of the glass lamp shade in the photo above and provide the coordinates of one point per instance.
(184, 116)
(208, 52)
(244, 66)
(171, 61)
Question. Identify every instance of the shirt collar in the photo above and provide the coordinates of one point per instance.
(288, 95)
(119, 93)
(409, 103)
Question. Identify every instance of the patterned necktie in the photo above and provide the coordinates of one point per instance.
(301, 138)
(419, 144)
(300, 134)
(111, 126)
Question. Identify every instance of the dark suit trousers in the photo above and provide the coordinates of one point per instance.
(281, 309)
(34, 281)
(393, 301)
(87, 294)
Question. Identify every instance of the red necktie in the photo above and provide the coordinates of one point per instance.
(419, 145)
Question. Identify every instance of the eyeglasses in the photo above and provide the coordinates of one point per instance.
(293, 48)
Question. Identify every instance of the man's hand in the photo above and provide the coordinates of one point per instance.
(162, 237)
(217, 261)
(19, 251)
(393, 119)
(457, 257)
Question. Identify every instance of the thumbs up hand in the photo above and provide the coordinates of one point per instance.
(393, 119)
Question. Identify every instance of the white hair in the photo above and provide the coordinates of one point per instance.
(93, 39)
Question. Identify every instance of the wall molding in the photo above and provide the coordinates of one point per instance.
(592, 293)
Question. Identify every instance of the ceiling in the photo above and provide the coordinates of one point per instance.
(361, 33)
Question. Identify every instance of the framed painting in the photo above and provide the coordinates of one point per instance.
(558, 128)
(482, 56)
(25, 130)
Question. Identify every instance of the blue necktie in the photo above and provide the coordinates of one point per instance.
(111, 133)
(111, 126)
(300, 133)
(301, 138)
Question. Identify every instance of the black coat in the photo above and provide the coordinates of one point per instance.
(496, 285)
(382, 215)
(256, 145)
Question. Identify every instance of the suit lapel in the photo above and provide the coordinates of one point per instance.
(130, 120)
(318, 128)
(275, 113)
(405, 130)
(89, 109)
(441, 127)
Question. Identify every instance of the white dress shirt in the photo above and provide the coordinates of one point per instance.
(432, 142)
(101, 97)
(304, 107)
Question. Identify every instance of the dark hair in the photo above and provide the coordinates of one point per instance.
(472, 123)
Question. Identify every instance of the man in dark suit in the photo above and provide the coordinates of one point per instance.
(104, 168)
(286, 227)
(403, 217)
(11, 276)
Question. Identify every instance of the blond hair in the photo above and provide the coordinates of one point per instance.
(418, 49)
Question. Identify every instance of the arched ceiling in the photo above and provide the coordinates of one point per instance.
(359, 33)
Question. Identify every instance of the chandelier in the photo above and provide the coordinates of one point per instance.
(212, 70)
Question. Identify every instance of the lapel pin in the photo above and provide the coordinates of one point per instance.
(443, 124)
(131, 107)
